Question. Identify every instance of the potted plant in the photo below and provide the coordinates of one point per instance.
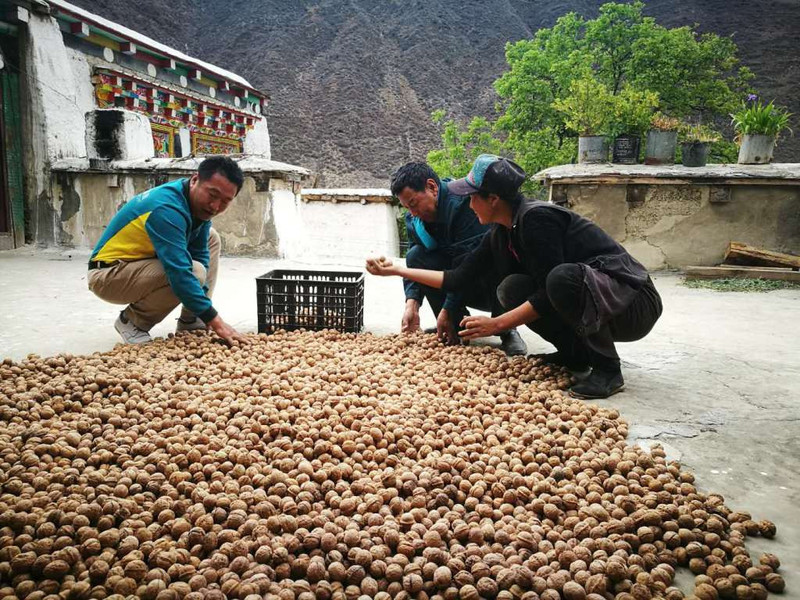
(631, 111)
(662, 140)
(694, 145)
(757, 127)
(586, 111)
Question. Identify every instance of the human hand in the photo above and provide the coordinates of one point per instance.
(381, 267)
(478, 327)
(445, 329)
(410, 322)
(227, 333)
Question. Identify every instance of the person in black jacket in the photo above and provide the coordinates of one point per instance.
(555, 271)
(442, 230)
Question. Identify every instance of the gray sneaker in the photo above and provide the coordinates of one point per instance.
(512, 343)
(190, 325)
(130, 333)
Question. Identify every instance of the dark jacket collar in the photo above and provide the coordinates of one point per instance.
(441, 212)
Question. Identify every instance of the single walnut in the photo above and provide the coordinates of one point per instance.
(469, 592)
(774, 583)
(442, 577)
(573, 591)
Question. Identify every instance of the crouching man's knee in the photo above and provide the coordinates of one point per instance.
(199, 271)
(564, 287)
(514, 290)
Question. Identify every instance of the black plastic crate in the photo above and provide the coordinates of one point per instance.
(289, 299)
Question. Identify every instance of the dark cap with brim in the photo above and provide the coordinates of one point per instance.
(490, 174)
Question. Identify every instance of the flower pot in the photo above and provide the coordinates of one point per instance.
(694, 154)
(592, 149)
(626, 149)
(756, 149)
(660, 147)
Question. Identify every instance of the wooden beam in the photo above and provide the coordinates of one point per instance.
(730, 272)
(625, 180)
(742, 254)
(80, 29)
(128, 48)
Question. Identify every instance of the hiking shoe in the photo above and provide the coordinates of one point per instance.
(129, 332)
(512, 343)
(190, 324)
(598, 385)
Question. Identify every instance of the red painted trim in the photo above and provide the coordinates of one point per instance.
(191, 64)
(181, 98)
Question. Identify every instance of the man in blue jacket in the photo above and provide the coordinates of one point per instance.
(159, 251)
(442, 230)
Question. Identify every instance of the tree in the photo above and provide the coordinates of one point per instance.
(691, 75)
(460, 147)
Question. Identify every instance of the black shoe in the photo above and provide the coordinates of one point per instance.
(598, 385)
(512, 344)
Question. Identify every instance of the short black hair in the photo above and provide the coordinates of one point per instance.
(223, 165)
(412, 175)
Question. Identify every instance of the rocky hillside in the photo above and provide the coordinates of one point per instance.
(353, 82)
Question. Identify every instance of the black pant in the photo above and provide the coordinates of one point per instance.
(480, 296)
(564, 328)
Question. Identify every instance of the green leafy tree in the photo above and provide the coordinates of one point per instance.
(631, 111)
(588, 107)
(691, 75)
(460, 147)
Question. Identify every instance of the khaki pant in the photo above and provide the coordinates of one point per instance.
(143, 286)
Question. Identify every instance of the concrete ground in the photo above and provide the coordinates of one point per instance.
(717, 381)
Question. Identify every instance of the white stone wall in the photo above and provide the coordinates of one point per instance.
(56, 127)
(58, 100)
(345, 232)
(133, 136)
(256, 141)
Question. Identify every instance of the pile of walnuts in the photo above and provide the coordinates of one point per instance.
(327, 465)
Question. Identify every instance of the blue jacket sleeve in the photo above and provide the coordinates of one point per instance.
(166, 227)
(198, 247)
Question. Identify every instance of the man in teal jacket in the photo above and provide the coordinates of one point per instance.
(159, 251)
(442, 230)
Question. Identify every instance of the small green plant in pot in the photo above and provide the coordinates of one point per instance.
(631, 111)
(586, 111)
(695, 140)
(662, 140)
(757, 126)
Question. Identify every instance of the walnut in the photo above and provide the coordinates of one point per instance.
(469, 592)
(573, 591)
(774, 583)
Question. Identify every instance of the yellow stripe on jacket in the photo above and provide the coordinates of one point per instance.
(130, 243)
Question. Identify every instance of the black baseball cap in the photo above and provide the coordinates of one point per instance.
(490, 174)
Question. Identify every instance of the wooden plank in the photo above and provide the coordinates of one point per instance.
(642, 180)
(742, 254)
(726, 272)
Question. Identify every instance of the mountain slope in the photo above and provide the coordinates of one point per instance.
(353, 82)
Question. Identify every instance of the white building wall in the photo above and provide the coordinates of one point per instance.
(58, 100)
(346, 232)
(56, 127)
(257, 140)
